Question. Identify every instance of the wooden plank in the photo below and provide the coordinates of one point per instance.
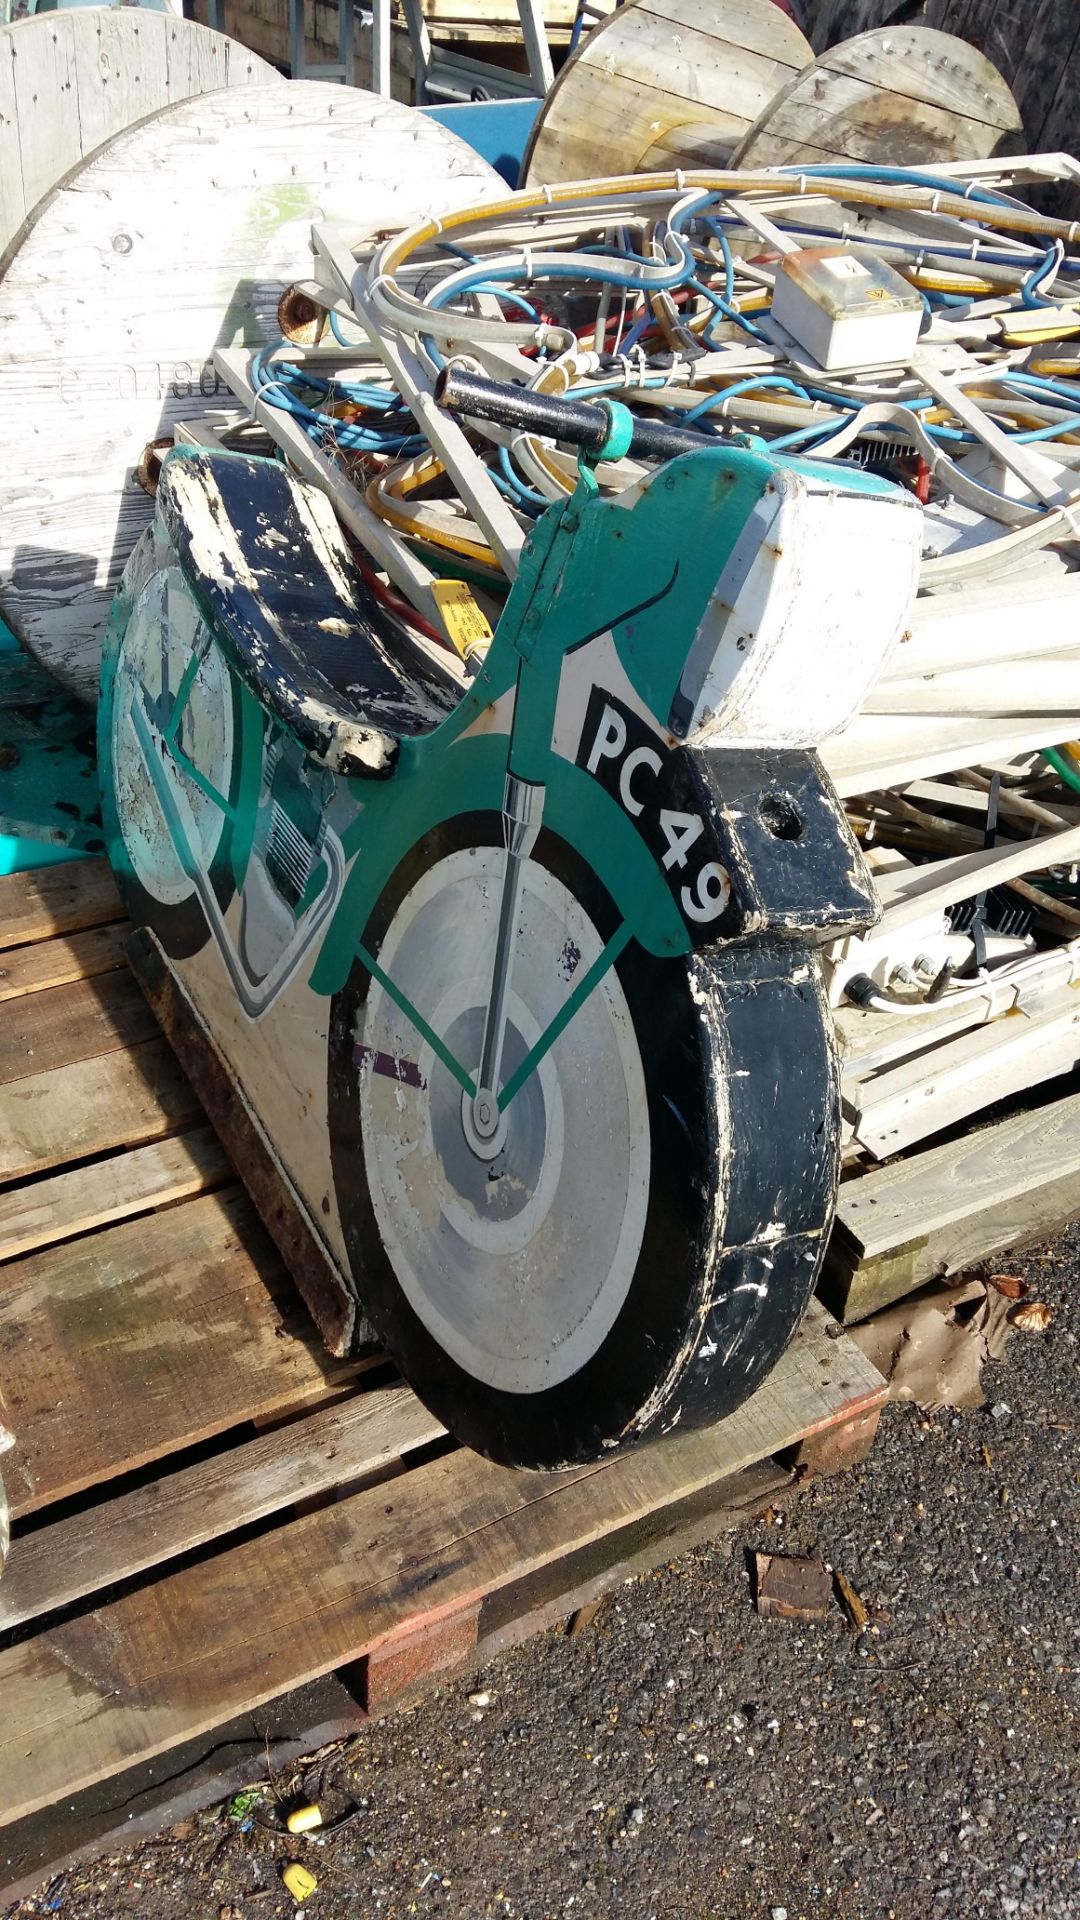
(901, 95)
(180, 1655)
(1028, 687)
(53, 963)
(47, 104)
(325, 1284)
(946, 1209)
(648, 71)
(70, 81)
(967, 626)
(179, 235)
(126, 1345)
(910, 894)
(329, 1448)
(122, 68)
(12, 198)
(906, 1103)
(889, 750)
(80, 1021)
(86, 1198)
(56, 900)
(119, 1100)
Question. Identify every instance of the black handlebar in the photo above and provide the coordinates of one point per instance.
(583, 423)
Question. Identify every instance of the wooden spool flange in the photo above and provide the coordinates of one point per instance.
(898, 96)
(70, 81)
(664, 83)
(178, 237)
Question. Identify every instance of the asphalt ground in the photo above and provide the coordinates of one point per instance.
(684, 1758)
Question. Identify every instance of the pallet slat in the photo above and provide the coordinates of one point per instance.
(129, 1344)
(122, 1099)
(66, 1204)
(80, 1021)
(53, 963)
(55, 900)
(82, 1554)
(180, 1655)
(895, 1109)
(921, 1219)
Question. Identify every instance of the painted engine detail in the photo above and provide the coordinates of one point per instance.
(520, 989)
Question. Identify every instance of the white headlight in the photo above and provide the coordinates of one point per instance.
(811, 602)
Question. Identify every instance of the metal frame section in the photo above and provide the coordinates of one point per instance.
(344, 67)
(440, 74)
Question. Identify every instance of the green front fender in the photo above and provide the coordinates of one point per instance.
(435, 782)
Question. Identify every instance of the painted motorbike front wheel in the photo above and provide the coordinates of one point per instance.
(620, 1265)
(158, 635)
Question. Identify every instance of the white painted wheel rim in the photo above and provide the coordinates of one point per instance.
(518, 1269)
(163, 628)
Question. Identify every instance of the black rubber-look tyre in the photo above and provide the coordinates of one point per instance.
(727, 1171)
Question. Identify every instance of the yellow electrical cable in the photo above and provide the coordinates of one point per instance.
(386, 495)
(932, 282)
(642, 186)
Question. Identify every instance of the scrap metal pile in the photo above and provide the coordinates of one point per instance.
(922, 325)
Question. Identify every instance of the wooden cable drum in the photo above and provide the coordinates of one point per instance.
(178, 237)
(663, 83)
(69, 81)
(898, 96)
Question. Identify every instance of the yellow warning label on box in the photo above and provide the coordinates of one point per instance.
(463, 617)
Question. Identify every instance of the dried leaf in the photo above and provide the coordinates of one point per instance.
(1034, 1317)
(1010, 1284)
(850, 1601)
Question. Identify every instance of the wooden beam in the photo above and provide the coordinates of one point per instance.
(84, 1199)
(946, 1209)
(56, 900)
(126, 1345)
(331, 1447)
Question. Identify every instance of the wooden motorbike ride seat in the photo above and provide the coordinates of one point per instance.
(274, 579)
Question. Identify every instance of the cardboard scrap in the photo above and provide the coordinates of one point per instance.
(790, 1589)
(932, 1346)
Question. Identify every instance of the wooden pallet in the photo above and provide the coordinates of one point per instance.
(201, 1513)
(952, 1206)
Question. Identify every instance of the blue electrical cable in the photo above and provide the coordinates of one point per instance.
(278, 386)
(522, 492)
(752, 385)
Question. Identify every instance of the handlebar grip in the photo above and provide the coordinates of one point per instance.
(581, 422)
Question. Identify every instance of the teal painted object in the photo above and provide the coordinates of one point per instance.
(49, 801)
(515, 980)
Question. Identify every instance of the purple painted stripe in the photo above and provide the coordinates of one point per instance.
(394, 1068)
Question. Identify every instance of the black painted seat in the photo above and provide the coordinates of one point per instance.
(269, 566)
